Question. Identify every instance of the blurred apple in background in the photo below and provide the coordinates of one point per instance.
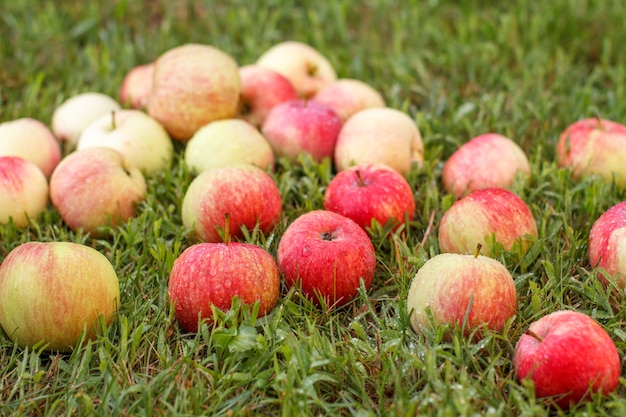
(488, 160)
(347, 96)
(137, 86)
(467, 292)
(261, 90)
(486, 215)
(302, 126)
(77, 112)
(227, 142)
(327, 255)
(30, 139)
(142, 141)
(307, 69)
(568, 356)
(607, 245)
(24, 191)
(594, 146)
(371, 192)
(96, 187)
(193, 84)
(245, 191)
(379, 135)
(56, 293)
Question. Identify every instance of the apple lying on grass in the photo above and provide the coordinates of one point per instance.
(568, 356)
(56, 293)
(137, 86)
(23, 191)
(347, 96)
(607, 245)
(327, 256)
(212, 274)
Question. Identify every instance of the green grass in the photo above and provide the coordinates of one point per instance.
(521, 68)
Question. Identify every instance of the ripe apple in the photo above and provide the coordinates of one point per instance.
(594, 146)
(30, 139)
(468, 292)
(488, 160)
(327, 255)
(212, 274)
(245, 191)
(568, 356)
(347, 96)
(371, 192)
(77, 112)
(23, 191)
(607, 244)
(486, 215)
(261, 89)
(96, 187)
(137, 86)
(56, 292)
(303, 65)
(142, 141)
(193, 84)
(302, 126)
(227, 142)
(379, 135)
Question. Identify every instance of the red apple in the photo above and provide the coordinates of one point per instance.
(347, 96)
(607, 244)
(137, 86)
(489, 160)
(371, 192)
(568, 356)
(23, 191)
(328, 255)
(486, 215)
(302, 126)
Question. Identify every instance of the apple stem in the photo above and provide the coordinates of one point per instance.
(360, 178)
(226, 228)
(535, 335)
(478, 248)
(113, 125)
(599, 120)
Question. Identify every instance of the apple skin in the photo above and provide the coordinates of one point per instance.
(30, 139)
(488, 160)
(302, 126)
(24, 191)
(328, 255)
(208, 274)
(95, 187)
(227, 142)
(137, 86)
(484, 213)
(53, 291)
(370, 192)
(448, 283)
(572, 354)
(261, 90)
(303, 65)
(607, 244)
(142, 141)
(379, 135)
(347, 96)
(247, 192)
(193, 84)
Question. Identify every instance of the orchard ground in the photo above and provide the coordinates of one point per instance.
(523, 69)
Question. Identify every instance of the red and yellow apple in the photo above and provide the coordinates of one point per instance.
(24, 191)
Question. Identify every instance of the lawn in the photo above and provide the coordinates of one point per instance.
(459, 68)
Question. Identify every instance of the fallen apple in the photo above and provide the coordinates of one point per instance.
(23, 191)
(137, 86)
(607, 245)
(347, 96)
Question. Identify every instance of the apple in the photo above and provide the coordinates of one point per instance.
(137, 86)
(594, 146)
(370, 192)
(227, 142)
(328, 256)
(245, 191)
(568, 356)
(607, 244)
(193, 84)
(96, 187)
(261, 89)
(55, 293)
(23, 191)
(212, 274)
(347, 96)
(30, 139)
(302, 126)
(142, 141)
(77, 112)
(488, 160)
(379, 135)
(467, 292)
(307, 69)
(484, 216)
